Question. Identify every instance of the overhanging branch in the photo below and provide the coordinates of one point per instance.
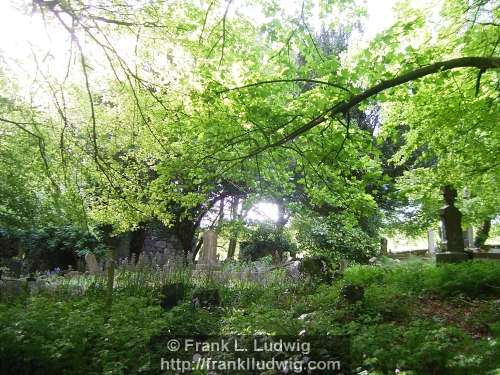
(291, 80)
(483, 63)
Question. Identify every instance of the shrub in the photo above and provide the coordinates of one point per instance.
(9, 243)
(266, 240)
(72, 336)
(422, 348)
(51, 247)
(336, 238)
(473, 278)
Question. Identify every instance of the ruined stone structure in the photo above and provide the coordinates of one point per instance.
(153, 238)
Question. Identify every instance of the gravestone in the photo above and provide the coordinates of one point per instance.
(208, 254)
(92, 265)
(431, 241)
(468, 237)
(452, 234)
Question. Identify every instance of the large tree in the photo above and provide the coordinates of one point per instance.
(163, 108)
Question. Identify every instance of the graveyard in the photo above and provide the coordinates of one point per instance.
(249, 187)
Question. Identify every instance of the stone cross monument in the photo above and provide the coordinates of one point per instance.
(452, 234)
(451, 218)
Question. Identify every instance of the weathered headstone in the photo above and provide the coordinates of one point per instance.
(453, 240)
(70, 274)
(92, 265)
(208, 255)
(431, 241)
(140, 260)
(316, 267)
(469, 237)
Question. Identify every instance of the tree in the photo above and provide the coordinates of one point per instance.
(453, 134)
(165, 110)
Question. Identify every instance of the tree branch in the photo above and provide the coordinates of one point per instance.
(285, 81)
(482, 63)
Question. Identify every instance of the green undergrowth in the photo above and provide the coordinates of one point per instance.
(415, 317)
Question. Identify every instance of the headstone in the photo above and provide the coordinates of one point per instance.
(72, 274)
(92, 265)
(469, 237)
(208, 255)
(293, 269)
(140, 260)
(431, 241)
(440, 235)
(316, 267)
(12, 288)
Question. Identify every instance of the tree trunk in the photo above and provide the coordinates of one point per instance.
(137, 242)
(280, 225)
(233, 241)
(185, 231)
(197, 249)
(482, 234)
(282, 218)
(110, 242)
(234, 236)
(220, 219)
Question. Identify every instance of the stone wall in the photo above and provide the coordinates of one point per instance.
(157, 239)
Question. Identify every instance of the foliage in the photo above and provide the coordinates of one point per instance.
(49, 247)
(9, 243)
(77, 329)
(387, 329)
(424, 347)
(469, 278)
(336, 237)
(264, 240)
(442, 142)
(212, 101)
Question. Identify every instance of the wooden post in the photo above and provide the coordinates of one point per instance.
(110, 265)
(111, 278)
